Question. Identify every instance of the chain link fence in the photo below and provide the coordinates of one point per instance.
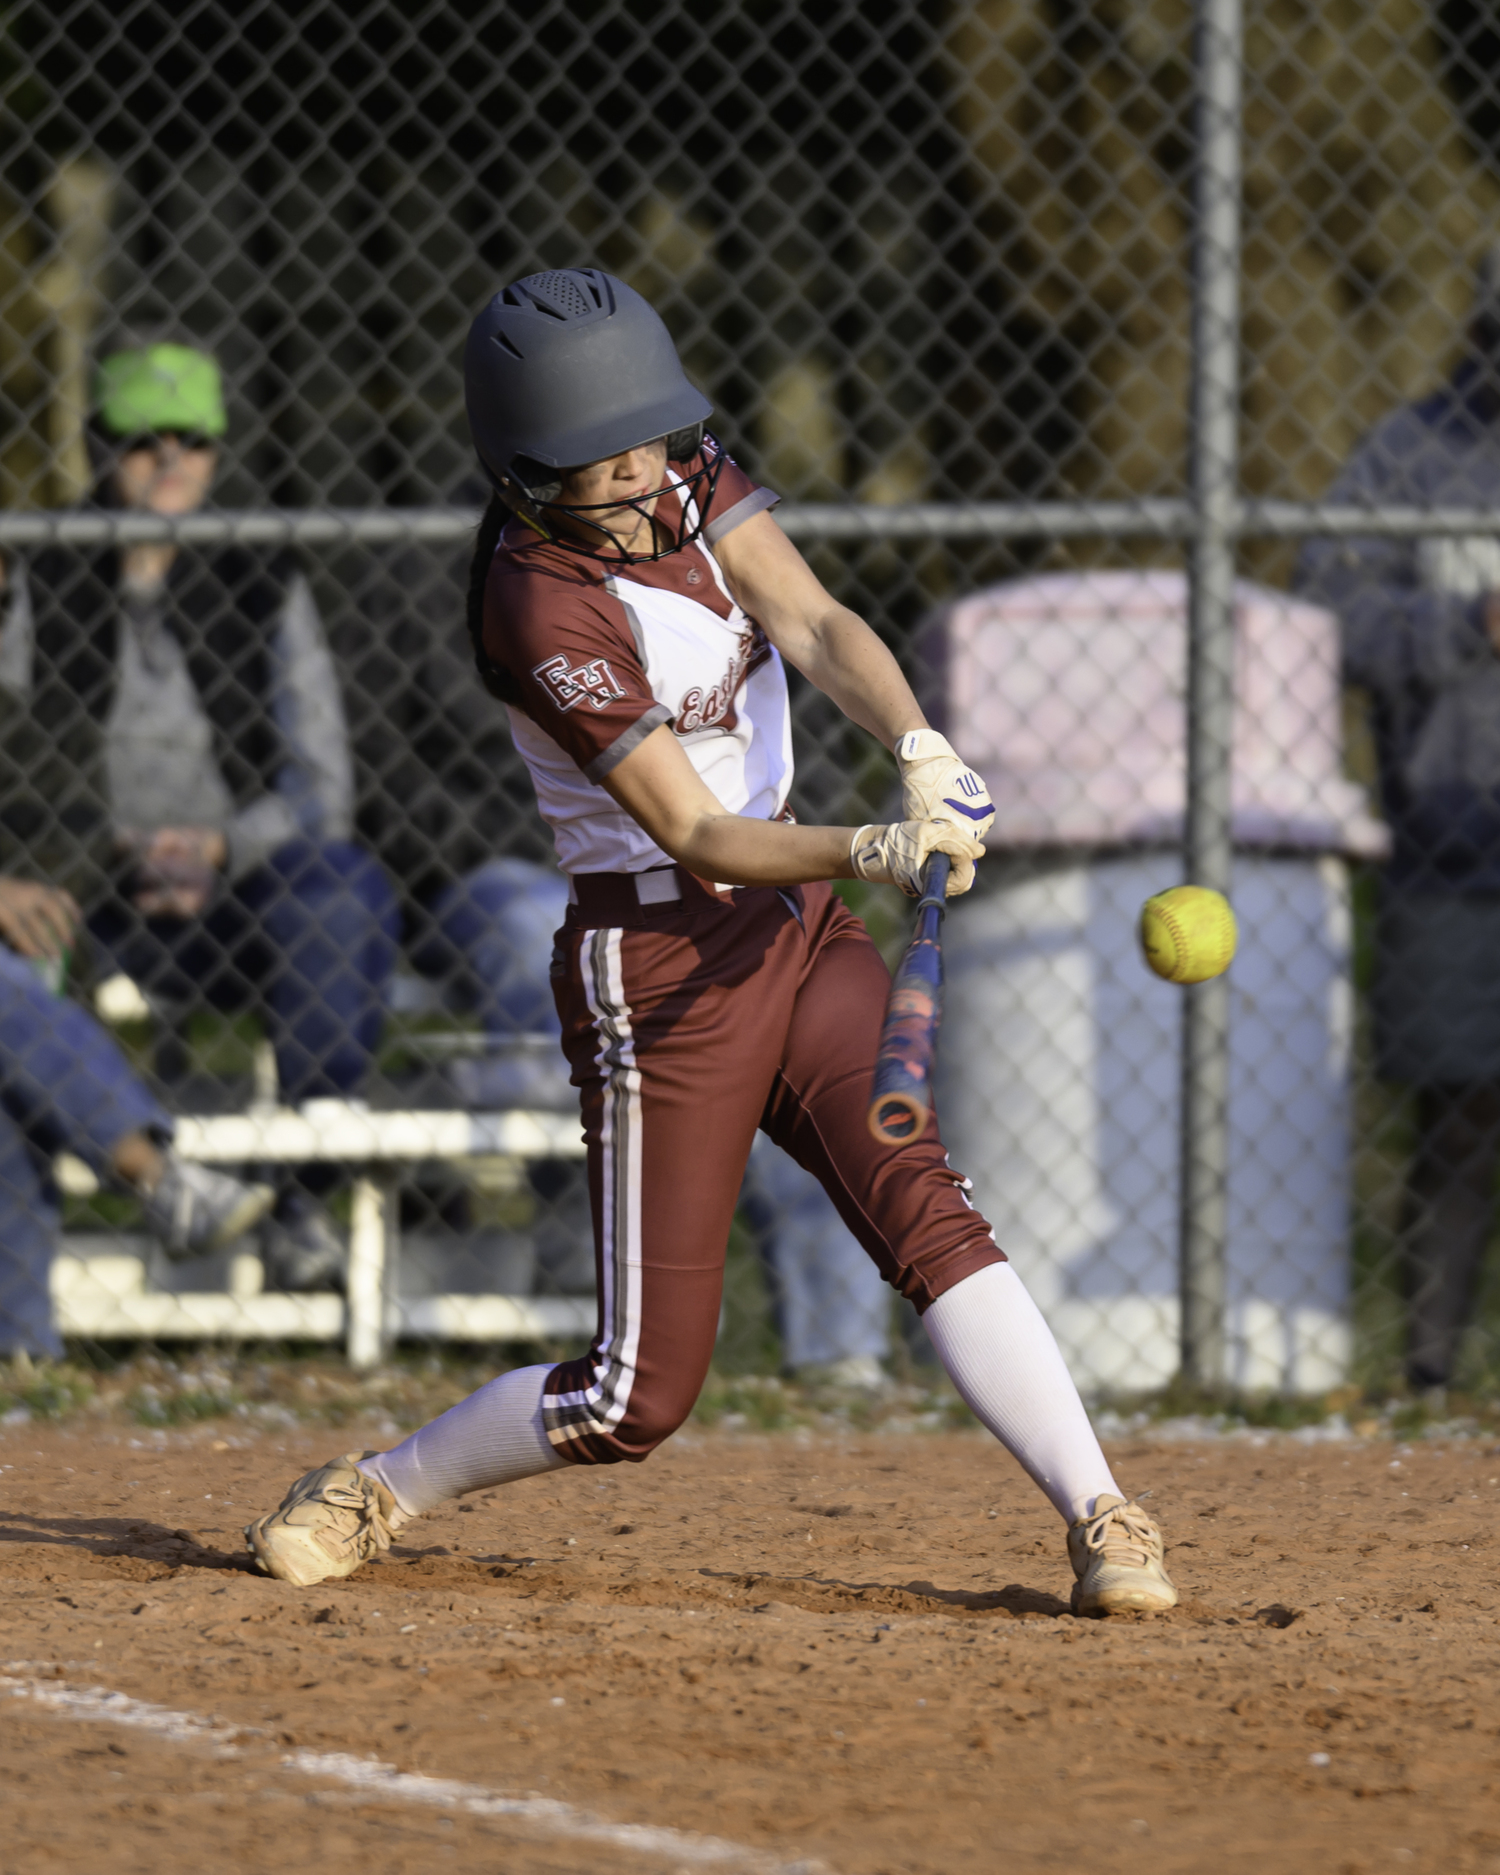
(959, 284)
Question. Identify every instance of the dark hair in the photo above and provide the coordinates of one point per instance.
(491, 526)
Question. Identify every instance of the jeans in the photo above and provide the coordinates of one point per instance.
(312, 934)
(1450, 1202)
(492, 936)
(832, 1304)
(64, 1085)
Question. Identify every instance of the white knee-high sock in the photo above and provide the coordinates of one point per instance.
(493, 1437)
(1001, 1356)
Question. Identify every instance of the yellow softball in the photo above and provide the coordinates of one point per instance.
(1188, 934)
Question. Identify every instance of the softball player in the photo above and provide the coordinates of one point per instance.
(631, 604)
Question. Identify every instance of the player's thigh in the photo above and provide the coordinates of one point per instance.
(674, 1036)
(674, 1048)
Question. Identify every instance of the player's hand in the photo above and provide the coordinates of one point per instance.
(37, 920)
(898, 854)
(936, 785)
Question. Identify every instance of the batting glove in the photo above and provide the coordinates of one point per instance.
(936, 785)
(898, 854)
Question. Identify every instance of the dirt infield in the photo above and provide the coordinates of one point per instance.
(851, 1652)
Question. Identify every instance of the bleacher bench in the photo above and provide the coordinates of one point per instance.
(106, 1295)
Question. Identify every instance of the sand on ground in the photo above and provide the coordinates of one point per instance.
(854, 1651)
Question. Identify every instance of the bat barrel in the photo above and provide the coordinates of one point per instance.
(901, 1101)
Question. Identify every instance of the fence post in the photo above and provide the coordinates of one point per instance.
(369, 1233)
(1210, 674)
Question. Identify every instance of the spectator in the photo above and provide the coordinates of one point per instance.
(187, 761)
(1421, 634)
(64, 1086)
(833, 1308)
(445, 801)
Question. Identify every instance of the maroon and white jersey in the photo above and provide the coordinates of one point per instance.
(593, 656)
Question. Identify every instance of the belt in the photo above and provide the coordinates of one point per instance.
(635, 898)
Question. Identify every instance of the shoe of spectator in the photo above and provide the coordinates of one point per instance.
(1117, 1556)
(515, 1077)
(300, 1248)
(193, 1209)
(855, 1373)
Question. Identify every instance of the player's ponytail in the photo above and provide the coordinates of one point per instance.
(485, 542)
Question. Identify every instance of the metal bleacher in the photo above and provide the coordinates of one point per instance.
(106, 1286)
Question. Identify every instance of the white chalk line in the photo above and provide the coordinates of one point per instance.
(374, 1781)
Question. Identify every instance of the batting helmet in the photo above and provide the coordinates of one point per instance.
(570, 367)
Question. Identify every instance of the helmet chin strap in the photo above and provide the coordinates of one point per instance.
(532, 511)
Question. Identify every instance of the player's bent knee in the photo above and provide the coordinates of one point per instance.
(644, 1429)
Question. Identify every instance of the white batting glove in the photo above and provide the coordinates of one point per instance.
(898, 854)
(936, 785)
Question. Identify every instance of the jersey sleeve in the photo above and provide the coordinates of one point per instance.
(735, 499)
(572, 666)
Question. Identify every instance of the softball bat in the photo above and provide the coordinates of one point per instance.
(902, 1100)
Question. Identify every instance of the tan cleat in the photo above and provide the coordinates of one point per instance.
(332, 1520)
(1117, 1557)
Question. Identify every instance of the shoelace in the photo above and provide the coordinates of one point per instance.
(364, 1500)
(1123, 1527)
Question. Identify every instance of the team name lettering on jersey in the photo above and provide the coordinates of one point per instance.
(593, 682)
(714, 708)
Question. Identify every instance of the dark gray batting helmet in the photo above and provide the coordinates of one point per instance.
(566, 368)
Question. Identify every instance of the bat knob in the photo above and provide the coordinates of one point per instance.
(896, 1118)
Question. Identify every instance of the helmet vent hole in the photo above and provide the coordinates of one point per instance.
(506, 344)
(569, 301)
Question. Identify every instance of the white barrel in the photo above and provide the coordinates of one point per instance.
(1059, 1096)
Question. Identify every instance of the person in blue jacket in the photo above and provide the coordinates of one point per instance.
(65, 1087)
(1421, 636)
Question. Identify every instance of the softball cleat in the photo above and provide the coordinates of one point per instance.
(1117, 1556)
(332, 1520)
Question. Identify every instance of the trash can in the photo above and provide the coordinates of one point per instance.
(1059, 1072)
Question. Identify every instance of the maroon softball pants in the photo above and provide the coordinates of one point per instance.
(687, 1025)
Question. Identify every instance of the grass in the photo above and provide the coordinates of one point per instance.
(275, 1390)
(264, 1390)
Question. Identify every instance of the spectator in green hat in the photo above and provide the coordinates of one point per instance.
(162, 390)
(183, 765)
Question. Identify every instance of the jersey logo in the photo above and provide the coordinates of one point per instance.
(571, 685)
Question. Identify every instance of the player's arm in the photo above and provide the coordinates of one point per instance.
(836, 650)
(832, 647)
(662, 792)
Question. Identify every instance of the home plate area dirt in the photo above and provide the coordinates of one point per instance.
(759, 1653)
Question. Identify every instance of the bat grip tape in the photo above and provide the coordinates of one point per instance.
(935, 884)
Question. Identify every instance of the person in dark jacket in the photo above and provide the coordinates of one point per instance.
(1421, 635)
(180, 760)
